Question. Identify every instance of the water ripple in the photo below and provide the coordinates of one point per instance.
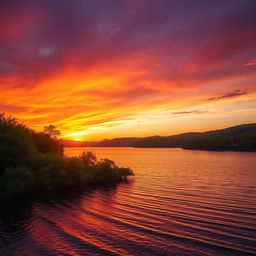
(178, 204)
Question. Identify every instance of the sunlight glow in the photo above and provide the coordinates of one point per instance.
(127, 81)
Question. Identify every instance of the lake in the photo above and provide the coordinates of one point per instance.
(181, 202)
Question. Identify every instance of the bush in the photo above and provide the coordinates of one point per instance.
(43, 179)
(16, 181)
(88, 159)
(46, 144)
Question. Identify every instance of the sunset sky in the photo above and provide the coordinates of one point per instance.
(102, 69)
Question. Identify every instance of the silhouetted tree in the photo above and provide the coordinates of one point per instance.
(88, 158)
(16, 144)
(52, 131)
(45, 143)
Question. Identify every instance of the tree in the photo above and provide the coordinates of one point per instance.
(52, 131)
(45, 143)
(88, 159)
(16, 145)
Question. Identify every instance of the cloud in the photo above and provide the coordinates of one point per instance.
(115, 30)
(83, 64)
(234, 93)
(190, 112)
(252, 62)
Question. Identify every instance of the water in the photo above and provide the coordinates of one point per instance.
(180, 202)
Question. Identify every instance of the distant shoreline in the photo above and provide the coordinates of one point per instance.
(240, 138)
(208, 150)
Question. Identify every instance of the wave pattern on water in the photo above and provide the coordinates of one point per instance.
(179, 203)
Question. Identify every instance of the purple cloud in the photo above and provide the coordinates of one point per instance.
(234, 93)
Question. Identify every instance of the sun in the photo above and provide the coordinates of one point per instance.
(77, 139)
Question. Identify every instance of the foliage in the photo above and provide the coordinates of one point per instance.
(52, 131)
(16, 144)
(46, 143)
(88, 158)
(32, 162)
(18, 180)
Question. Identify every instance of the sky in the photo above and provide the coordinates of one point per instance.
(103, 69)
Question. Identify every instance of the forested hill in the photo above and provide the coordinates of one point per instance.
(236, 138)
(118, 142)
(174, 141)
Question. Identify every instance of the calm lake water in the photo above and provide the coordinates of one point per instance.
(180, 202)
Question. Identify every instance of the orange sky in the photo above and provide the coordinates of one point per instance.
(135, 68)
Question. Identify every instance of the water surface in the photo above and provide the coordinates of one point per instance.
(180, 202)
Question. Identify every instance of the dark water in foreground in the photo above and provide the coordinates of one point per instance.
(179, 203)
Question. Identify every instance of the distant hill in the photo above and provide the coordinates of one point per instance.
(118, 142)
(173, 141)
(236, 138)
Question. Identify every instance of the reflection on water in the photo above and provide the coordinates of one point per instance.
(179, 203)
